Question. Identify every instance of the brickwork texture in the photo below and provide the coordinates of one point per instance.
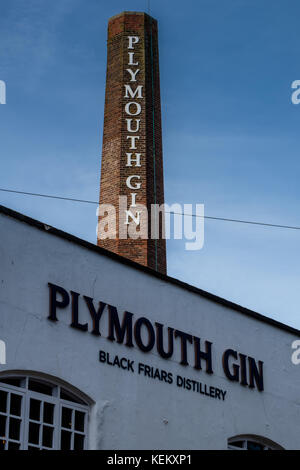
(138, 53)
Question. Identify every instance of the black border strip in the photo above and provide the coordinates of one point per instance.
(120, 259)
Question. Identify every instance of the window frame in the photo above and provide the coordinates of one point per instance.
(267, 444)
(9, 415)
(55, 399)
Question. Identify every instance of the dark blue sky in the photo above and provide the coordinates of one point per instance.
(231, 133)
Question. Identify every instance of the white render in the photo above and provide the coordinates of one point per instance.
(130, 411)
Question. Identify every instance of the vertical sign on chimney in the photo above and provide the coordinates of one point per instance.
(132, 162)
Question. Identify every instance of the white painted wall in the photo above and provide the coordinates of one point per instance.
(131, 411)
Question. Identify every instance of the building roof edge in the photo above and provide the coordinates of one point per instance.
(90, 246)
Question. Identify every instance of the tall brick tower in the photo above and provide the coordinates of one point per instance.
(132, 162)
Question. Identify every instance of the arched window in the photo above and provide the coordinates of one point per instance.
(37, 413)
(251, 442)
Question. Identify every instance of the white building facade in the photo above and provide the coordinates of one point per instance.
(101, 353)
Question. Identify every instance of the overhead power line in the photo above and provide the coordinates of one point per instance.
(224, 219)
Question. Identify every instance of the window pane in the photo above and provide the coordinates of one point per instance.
(35, 407)
(34, 433)
(13, 446)
(14, 382)
(79, 421)
(2, 425)
(65, 442)
(47, 436)
(40, 387)
(14, 428)
(32, 449)
(15, 404)
(48, 413)
(3, 401)
(239, 444)
(66, 418)
(78, 441)
(64, 395)
(2, 444)
(254, 446)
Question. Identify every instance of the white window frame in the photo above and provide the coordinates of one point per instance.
(8, 415)
(266, 443)
(59, 404)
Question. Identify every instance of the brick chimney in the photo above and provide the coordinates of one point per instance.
(132, 161)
